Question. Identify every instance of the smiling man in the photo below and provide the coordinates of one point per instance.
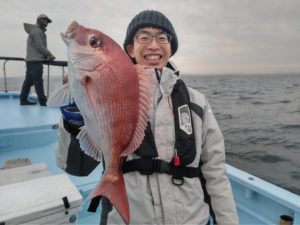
(151, 47)
(178, 174)
(151, 39)
(174, 195)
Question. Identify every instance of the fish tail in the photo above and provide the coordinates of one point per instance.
(114, 190)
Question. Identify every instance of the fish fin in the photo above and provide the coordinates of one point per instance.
(60, 97)
(87, 145)
(146, 89)
(113, 188)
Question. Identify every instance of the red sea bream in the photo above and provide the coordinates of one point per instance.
(114, 97)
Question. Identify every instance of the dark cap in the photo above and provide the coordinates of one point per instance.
(43, 16)
(151, 18)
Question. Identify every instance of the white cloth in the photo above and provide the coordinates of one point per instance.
(61, 152)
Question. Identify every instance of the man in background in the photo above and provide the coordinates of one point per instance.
(36, 53)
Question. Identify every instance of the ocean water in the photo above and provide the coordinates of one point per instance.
(260, 119)
(259, 116)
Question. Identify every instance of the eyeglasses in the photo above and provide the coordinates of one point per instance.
(147, 38)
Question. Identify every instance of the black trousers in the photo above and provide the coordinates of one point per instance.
(34, 76)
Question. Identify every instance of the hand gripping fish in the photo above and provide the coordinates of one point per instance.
(114, 97)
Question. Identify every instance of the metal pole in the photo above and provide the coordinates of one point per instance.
(48, 79)
(4, 72)
(63, 74)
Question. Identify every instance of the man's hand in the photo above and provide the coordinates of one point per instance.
(71, 114)
(50, 57)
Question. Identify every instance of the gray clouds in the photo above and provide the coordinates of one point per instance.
(228, 36)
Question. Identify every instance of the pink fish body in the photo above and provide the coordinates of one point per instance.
(114, 97)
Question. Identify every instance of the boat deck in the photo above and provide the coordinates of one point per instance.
(30, 132)
(12, 117)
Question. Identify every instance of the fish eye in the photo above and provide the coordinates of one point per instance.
(94, 42)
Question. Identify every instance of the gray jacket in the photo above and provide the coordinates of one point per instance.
(154, 199)
(36, 43)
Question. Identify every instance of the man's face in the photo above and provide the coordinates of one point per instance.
(43, 23)
(154, 54)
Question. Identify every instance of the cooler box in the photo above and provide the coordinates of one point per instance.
(23, 173)
(44, 200)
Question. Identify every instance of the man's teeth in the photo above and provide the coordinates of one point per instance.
(152, 57)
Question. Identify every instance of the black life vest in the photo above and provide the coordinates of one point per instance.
(184, 143)
(184, 131)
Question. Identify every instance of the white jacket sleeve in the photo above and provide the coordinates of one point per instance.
(214, 170)
(61, 153)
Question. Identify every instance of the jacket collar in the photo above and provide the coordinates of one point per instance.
(168, 79)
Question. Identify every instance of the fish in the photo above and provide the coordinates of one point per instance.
(114, 97)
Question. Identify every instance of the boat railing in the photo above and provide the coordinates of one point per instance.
(61, 64)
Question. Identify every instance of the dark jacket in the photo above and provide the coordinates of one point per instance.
(36, 43)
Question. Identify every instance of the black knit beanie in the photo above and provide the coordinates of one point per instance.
(151, 18)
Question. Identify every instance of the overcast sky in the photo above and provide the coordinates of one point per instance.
(215, 36)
